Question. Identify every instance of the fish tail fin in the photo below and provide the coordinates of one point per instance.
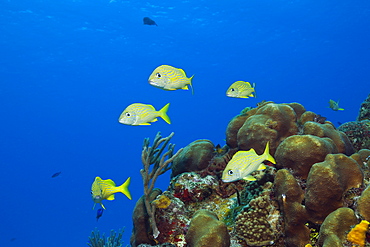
(254, 88)
(163, 113)
(340, 109)
(191, 84)
(267, 154)
(124, 188)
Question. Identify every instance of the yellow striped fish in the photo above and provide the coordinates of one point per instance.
(142, 114)
(241, 89)
(243, 163)
(170, 78)
(335, 105)
(105, 189)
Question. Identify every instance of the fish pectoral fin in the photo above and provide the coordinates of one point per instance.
(261, 167)
(250, 178)
(111, 197)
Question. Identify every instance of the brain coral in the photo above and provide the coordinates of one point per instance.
(327, 130)
(333, 229)
(327, 182)
(194, 157)
(206, 230)
(300, 152)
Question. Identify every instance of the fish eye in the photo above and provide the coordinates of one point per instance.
(91, 192)
(128, 114)
(158, 75)
(230, 172)
(232, 89)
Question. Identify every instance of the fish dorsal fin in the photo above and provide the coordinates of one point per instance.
(182, 72)
(111, 197)
(249, 178)
(109, 182)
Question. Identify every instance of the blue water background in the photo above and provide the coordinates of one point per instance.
(69, 68)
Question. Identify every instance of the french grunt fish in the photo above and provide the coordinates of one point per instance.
(243, 163)
(169, 78)
(143, 114)
(335, 105)
(105, 190)
(241, 89)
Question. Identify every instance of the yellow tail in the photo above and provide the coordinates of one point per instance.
(163, 113)
(124, 188)
(267, 154)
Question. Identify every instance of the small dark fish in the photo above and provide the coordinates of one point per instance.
(56, 174)
(99, 213)
(148, 21)
(319, 119)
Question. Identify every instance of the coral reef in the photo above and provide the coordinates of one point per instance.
(358, 132)
(336, 224)
(290, 197)
(114, 240)
(259, 222)
(311, 197)
(364, 113)
(152, 156)
(300, 152)
(194, 157)
(207, 230)
(327, 182)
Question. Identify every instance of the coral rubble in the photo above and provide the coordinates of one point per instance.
(311, 197)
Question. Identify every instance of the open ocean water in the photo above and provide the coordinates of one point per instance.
(68, 69)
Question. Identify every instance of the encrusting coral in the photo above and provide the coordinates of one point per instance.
(358, 234)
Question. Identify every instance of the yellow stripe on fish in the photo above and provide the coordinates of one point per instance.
(170, 78)
(241, 89)
(105, 190)
(143, 114)
(335, 105)
(243, 163)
